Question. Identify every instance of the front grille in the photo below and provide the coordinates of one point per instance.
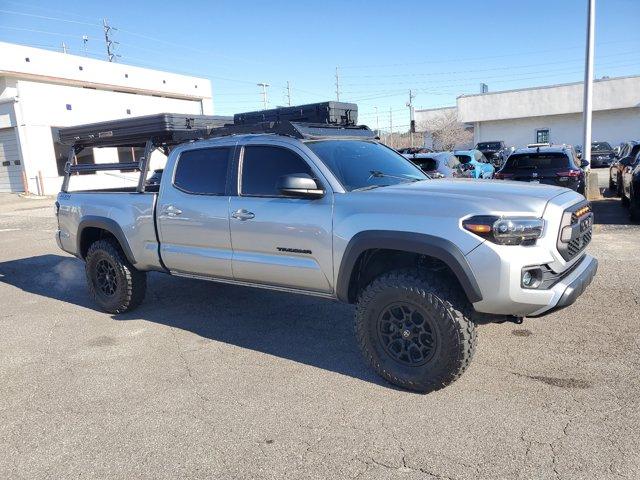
(576, 230)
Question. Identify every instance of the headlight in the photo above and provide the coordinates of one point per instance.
(505, 230)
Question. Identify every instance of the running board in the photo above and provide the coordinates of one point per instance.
(329, 296)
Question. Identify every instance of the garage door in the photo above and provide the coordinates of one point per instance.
(10, 168)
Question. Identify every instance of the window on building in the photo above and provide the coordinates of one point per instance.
(203, 171)
(61, 152)
(262, 167)
(542, 135)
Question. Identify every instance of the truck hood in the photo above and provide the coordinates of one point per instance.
(474, 196)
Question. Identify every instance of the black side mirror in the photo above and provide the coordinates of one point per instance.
(299, 185)
(584, 163)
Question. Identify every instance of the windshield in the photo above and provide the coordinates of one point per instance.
(426, 164)
(488, 146)
(600, 146)
(360, 164)
(537, 160)
(463, 158)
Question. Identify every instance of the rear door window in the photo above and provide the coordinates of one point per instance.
(203, 171)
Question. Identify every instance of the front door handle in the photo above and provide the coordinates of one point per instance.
(243, 214)
(171, 211)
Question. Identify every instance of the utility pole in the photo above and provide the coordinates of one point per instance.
(265, 101)
(390, 127)
(64, 47)
(377, 122)
(412, 122)
(111, 56)
(337, 85)
(85, 39)
(288, 93)
(588, 81)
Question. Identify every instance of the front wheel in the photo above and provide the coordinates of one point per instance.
(114, 283)
(412, 330)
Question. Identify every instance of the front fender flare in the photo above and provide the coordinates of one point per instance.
(436, 247)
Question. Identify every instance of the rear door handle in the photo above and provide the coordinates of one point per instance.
(243, 214)
(171, 211)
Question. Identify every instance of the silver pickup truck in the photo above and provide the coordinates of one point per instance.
(338, 215)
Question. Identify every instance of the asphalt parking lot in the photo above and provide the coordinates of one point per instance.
(216, 381)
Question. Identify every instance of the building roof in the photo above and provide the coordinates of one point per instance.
(61, 68)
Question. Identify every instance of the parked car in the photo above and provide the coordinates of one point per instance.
(476, 163)
(330, 212)
(494, 151)
(440, 165)
(628, 153)
(414, 150)
(627, 176)
(631, 192)
(602, 155)
(550, 165)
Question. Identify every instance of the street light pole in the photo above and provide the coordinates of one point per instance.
(588, 81)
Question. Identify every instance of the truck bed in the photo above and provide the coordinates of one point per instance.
(128, 211)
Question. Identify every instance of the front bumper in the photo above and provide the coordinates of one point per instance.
(575, 288)
(499, 271)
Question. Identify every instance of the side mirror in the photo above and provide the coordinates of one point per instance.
(584, 163)
(299, 185)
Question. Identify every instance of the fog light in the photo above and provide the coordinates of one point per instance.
(531, 277)
(527, 279)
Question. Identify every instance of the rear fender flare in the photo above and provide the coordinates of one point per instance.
(108, 225)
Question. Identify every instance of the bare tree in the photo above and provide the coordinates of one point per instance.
(446, 132)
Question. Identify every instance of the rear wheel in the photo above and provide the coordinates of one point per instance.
(113, 282)
(412, 330)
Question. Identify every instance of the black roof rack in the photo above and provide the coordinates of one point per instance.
(309, 122)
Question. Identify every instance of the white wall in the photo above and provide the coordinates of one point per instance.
(613, 126)
(41, 106)
(609, 94)
(29, 62)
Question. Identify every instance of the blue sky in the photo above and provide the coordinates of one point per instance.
(382, 48)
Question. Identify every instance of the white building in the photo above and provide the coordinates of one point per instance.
(552, 114)
(41, 90)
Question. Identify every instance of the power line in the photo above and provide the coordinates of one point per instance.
(11, 12)
(475, 58)
(508, 67)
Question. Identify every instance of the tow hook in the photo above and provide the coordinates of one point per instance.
(516, 320)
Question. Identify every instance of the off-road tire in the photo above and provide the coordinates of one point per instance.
(438, 299)
(130, 284)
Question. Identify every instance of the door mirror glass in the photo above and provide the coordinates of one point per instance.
(299, 185)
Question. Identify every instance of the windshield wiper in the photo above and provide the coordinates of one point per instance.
(368, 187)
(379, 174)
